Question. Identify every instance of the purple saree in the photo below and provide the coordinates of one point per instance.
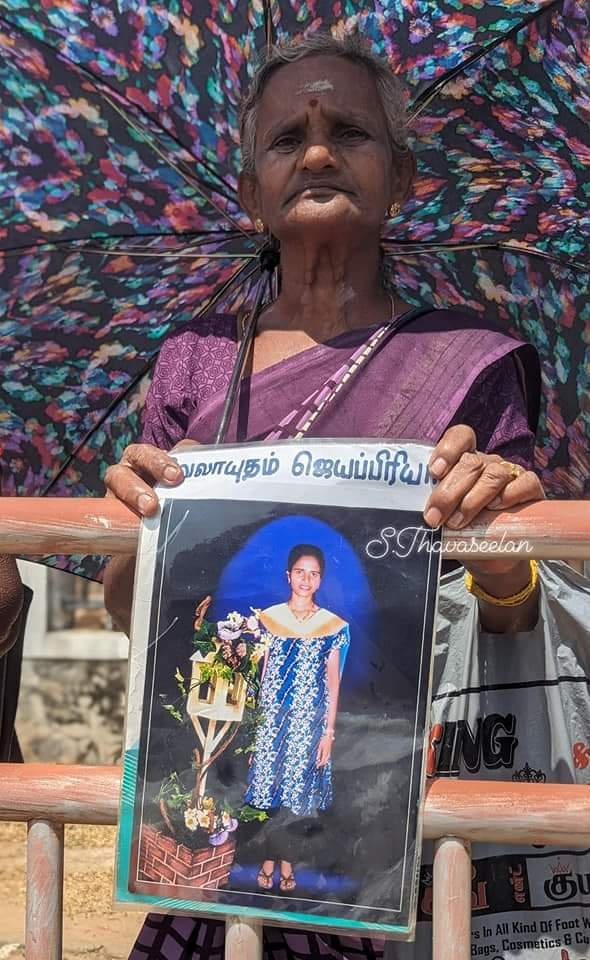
(443, 368)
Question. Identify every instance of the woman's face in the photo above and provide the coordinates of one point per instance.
(305, 577)
(323, 158)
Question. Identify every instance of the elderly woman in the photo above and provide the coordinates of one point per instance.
(325, 162)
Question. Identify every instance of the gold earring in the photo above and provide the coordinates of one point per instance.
(394, 209)
(259, 225)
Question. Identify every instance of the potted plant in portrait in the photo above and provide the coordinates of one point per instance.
(195, 843)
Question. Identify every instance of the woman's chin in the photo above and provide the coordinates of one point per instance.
(319, 214)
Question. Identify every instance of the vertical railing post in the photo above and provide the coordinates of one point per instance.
(45, 872)
(451, 900)
(243, 939)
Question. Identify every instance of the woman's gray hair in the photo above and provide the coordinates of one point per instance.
(351, 46)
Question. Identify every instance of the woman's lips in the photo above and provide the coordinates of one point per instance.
(318, 191)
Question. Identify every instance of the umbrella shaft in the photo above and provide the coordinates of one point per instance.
(243, 354)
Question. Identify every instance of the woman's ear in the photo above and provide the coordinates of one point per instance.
(248, 195)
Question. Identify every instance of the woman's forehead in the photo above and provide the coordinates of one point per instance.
(335, 81)
(306, 561)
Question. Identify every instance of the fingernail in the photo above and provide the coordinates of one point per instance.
(144, 502)
(456, 519)
(433, 517)
(438, 467)
(171, 473)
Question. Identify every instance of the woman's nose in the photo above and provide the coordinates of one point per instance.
(317, 156)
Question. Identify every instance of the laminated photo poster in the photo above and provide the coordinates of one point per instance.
(280, 666)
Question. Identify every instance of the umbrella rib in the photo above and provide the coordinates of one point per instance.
(97, 82)
(192, 181)
(268, 24)
(207, 236)
(426, 247)
(173, 256)
(134, 381)
(435, 88)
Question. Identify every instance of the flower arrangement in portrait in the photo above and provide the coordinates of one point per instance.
(195, 819)
(235, 645)
(219, 698)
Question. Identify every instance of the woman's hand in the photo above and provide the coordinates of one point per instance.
(469, 482)
(131, 481)
(324, 750)
(140, 468)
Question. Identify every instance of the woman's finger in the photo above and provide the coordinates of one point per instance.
(152, 464)
(491, 483)
(523, 489)
(450, 448)
(140, 468)
(123, 483)
(448, 494)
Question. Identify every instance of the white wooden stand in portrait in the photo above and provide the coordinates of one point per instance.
(215, 709)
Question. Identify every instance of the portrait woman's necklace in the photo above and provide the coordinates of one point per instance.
(306, 616)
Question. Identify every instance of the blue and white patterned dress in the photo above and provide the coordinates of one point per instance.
(294, 704)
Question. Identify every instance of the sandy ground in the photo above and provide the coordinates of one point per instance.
(92, 929)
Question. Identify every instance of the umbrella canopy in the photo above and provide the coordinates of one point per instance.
(119, 157)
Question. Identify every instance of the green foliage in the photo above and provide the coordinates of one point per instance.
(216, 670)
(180, 682)
(173, 711)
(251, 720)
(205, 637)
(173, 793)
(248, 814)
(204, 647)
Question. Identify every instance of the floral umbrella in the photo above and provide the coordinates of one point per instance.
(118, 162)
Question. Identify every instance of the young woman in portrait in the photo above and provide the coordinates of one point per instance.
(291, 765)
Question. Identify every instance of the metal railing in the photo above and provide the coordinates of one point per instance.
(455, 812)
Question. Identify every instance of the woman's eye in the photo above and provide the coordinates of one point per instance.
(288, 141)
(352, 133)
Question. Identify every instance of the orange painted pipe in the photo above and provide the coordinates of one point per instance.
(45, 872)
(494, 811)
(62, 793)
(451, 904)
(38, 526)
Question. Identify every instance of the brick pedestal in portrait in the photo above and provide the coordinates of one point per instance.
(163, 860)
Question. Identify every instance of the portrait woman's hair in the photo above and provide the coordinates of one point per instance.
(306, 550)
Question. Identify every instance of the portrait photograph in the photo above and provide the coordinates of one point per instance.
(278, 766)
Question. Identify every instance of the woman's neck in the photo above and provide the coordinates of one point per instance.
(300, 605)
(325, 292)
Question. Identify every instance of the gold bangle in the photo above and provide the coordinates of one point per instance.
(513, 601)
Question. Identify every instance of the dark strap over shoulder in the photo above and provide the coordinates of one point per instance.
(404, 318)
